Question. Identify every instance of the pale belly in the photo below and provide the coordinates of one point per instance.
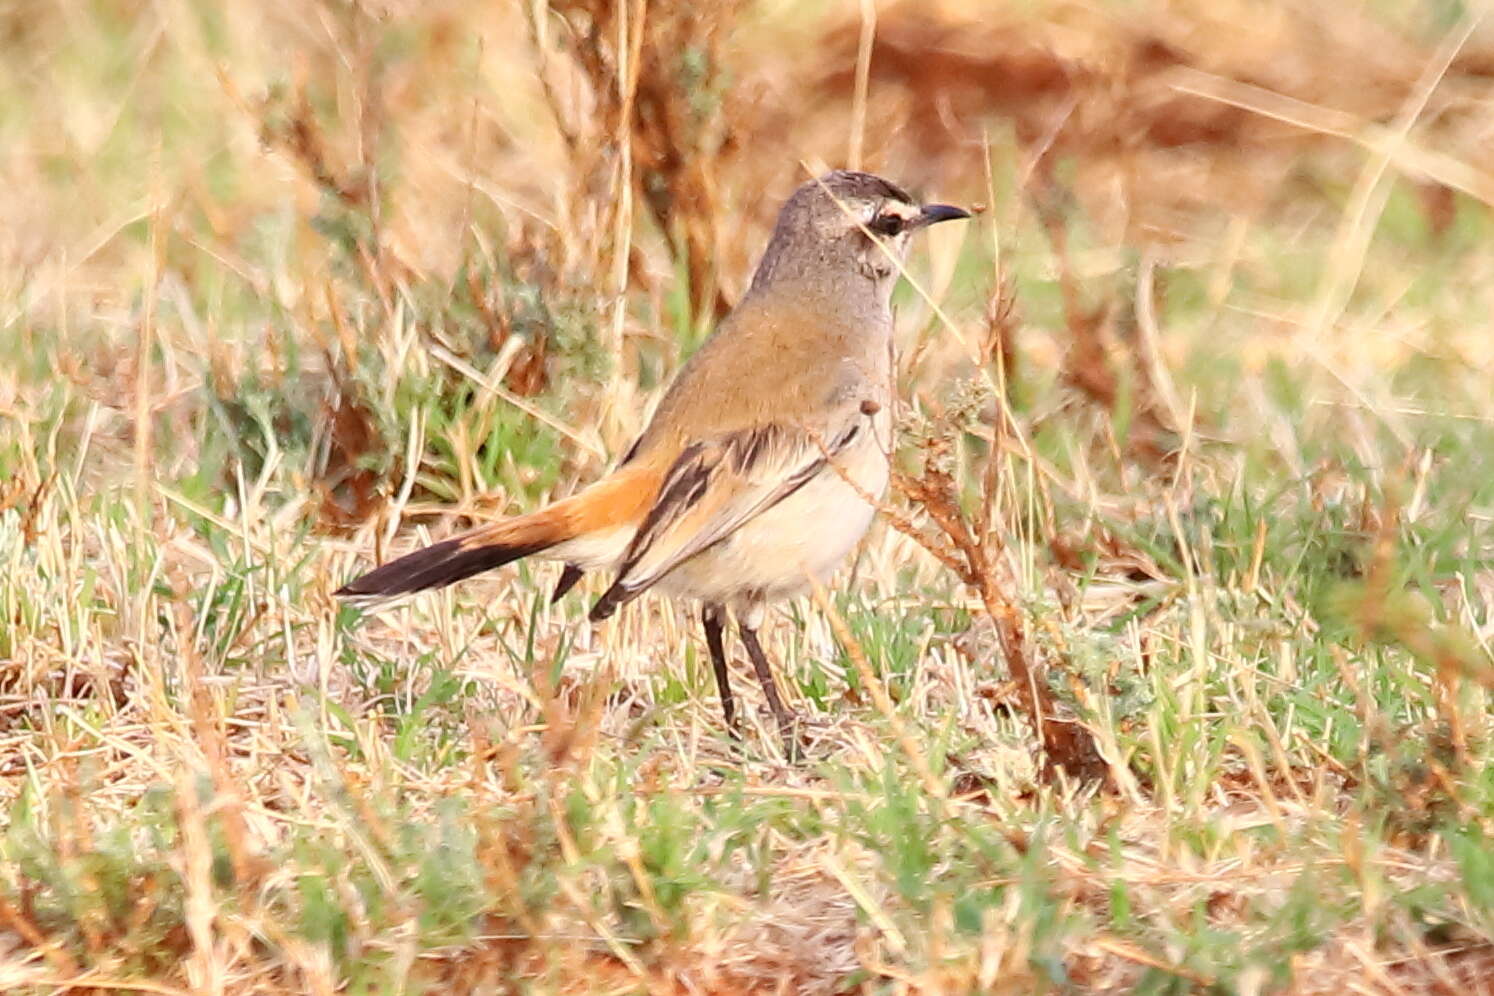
(807, 535)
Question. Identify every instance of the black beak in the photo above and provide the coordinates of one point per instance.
(932, 214)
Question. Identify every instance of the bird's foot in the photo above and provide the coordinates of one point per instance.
(791, 728)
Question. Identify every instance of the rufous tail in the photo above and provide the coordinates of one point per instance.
(619, 498)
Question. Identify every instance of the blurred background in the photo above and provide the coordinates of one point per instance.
(286, 285)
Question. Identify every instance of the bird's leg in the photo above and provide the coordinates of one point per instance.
(765, 678)
(714, 620)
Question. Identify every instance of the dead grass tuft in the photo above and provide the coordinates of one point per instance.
(661, 123)
(1192, 502)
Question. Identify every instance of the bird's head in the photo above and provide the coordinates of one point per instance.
(847, 225)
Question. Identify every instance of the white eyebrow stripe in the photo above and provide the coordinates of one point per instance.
(901, 210)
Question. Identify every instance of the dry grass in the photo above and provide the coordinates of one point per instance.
(1197, 444)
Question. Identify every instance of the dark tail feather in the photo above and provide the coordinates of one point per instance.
(436, 566)
(612, 501)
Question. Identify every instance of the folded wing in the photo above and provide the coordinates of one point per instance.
(714, 488)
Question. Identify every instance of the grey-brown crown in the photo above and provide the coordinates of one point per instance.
(830, 230)
(851, 185)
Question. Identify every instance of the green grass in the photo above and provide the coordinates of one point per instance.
(216, 778)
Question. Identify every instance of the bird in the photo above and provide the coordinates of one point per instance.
(765, 459)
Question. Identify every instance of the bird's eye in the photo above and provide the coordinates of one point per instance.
(888, 224)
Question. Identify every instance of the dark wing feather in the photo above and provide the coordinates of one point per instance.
(713, 489)
(568, 578)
